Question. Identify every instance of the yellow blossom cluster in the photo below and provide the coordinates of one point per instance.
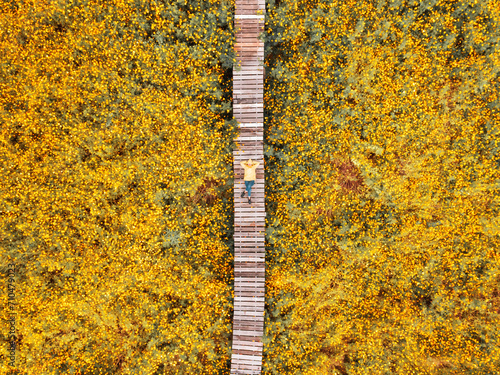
(114, 185)
(382, 148)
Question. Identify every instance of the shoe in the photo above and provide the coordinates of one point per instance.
(243, 193)
(249, 201)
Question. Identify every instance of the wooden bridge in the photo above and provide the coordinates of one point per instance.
(249, 219)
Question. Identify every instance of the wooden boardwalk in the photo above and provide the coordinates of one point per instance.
(249, 219)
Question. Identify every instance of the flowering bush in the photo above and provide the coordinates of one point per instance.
(382, 156)
(115, 182)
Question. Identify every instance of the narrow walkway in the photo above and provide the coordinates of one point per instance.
(249, 219)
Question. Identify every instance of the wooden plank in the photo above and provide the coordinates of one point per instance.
(247, 216)
(248, 16)
(249, 231)
(254, 260)
(246, 230)
(246, 248)
(246, 361)
(250, 131)
(247, 314)
(249, 9)
(248, 357)
(247, 133)
(248, 117)
(260, 290)
(250, 73)
(250, 282)
(251, 253)
(245, 293)
(258, 293)
(256, 105)
(247, 348)
(244, 201)
(248, 318)
(251, 137)
(249, 95)
(258, 310)
(250, 213)
(248, 111)
(249, 274)
(244, 8)
(252, 371)
(248, 220)
(240, 94)
(253, 344)
(253, 333)
(254, 4)
(251, 83)
(250, 279)
(248, 341)
(250, 304)
(249, 259)
(252, 115)
(239, 334)
(247, 243)
(241, 219)
(247, 366)
(249, 299)
(248, 370)
(250, 248)
(251, 124)
(250, 63)
(257, 270)
(245, 98)
(243, 153)
(249, 86)
(255, 310)
(259, 209)
(255, 328)
(257, 109)
(250, 288)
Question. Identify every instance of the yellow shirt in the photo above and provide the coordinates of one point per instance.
(249, 171)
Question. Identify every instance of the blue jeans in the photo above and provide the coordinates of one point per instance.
(248, 186)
